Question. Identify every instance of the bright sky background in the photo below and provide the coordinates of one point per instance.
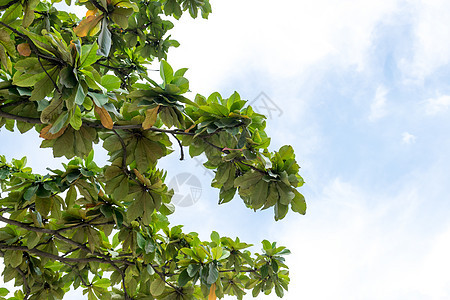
(364, 95)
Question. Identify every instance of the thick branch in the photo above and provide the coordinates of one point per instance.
(105, 258)
(20, 118)
(53, 256)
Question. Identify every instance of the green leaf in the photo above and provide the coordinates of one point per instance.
(166, 72)
(27, 78)
(157, 287)
(14, 259)
(135, 209)
(30, 192)
(215, 237)
(28, 17)
(280, 211)
(88, 55)
(43, 205)
(298, 204)
(99, 99)
(279, 290)
(59, 122)
(140, 240)
(102, 283)
(3, 292)
(33, 239)
(104, 39)
(120, 16)
(12, 13)
(259, 196)
(71, 196)
(213, 274)
(67, 77)
(75, 120)
(111, 82)
(183, 278)
(53, 110)
(248, 179)
(286, 193)
(7, 42)
(80, 95)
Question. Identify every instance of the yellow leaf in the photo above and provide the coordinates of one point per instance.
(141, 178)
(24, 49)
(150, 117)
(91, 12)
(105, 118)
(189, 129)
(86, 25)
(45, 134)
(212, 292)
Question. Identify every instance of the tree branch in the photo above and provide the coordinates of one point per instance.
(105, 258)
(25, 283)
(181, 146)
(124, 153)
(2, 7)
(98, 6)
(19, 118)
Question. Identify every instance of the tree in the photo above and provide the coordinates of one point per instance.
(105, 229)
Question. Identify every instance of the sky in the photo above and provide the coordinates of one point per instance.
(360, 90)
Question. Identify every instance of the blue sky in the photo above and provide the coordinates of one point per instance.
(363, 89)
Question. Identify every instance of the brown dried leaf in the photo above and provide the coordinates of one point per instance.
(87, 24)
(24, 49)
(45, 134)
(150, 117)
(105, 118)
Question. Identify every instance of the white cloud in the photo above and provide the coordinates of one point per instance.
(431, 46)
(356, 244)
(243, 35)
(378, 107)
(437, 105)
(408, 138)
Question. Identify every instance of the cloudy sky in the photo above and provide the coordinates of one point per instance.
(360, 90)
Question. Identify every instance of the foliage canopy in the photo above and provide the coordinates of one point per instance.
(105, 229)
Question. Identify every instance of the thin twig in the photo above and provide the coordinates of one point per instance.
(124, 153)
(98, 6)
(25, 283)
(181, 146)
(51, 78)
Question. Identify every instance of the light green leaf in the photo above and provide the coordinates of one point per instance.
(166, 72)
(157, 287)
(3, 292)
(75, 120)
(298, 204)
(111, 82)
(88, 55)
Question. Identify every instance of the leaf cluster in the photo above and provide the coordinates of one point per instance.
(79, 82)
